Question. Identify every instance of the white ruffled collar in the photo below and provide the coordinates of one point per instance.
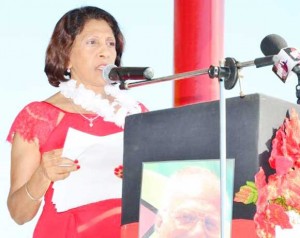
(116, 111)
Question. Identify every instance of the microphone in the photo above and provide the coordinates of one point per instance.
(287, 58)
(272, 44)
(112, 73)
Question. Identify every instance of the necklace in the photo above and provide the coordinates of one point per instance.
(116, 111)
(90, 119)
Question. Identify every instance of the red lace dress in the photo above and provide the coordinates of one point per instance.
(100, 219)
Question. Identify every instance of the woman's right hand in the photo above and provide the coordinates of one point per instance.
(55, 167)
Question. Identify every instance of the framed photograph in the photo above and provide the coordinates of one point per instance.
(182, 199)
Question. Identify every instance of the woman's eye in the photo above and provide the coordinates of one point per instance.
(111, 43)
(92, 42)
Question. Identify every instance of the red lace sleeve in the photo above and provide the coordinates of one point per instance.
(36, 120)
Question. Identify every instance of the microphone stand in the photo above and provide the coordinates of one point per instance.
(223, 166)
(227, 73)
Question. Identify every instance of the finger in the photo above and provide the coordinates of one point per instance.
(65, 172)
(65, 165)
(59, 169)
(65, 162)
(61, 176)
(64, 176)
(59, 173)
(66, 168)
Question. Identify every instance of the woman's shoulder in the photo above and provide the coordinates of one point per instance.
(39, 111)
(35, 119)
(41, 106)
(59, 102)
(55, 103)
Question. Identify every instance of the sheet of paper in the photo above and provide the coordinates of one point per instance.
(98, 156)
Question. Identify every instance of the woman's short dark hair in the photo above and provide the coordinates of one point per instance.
(67, 28)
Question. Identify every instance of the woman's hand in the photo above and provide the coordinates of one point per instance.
(55, 167)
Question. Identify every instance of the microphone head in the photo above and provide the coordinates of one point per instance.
(106, 70)
(112, 74)
(149, 73)
(272, 44)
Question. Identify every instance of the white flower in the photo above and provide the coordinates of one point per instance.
(116, 111)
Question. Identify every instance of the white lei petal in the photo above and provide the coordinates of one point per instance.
(93, 102)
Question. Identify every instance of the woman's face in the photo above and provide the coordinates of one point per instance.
(92, 49)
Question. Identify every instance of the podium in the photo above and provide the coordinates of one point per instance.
(193, 132)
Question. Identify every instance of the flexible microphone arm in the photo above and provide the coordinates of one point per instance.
(125, 85)
(228, 72)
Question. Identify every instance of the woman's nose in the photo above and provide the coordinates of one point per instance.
(103, 54)
(103, 51)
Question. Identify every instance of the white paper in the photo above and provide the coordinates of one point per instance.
(98, 156)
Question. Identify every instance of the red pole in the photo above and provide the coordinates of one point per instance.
(198, 43)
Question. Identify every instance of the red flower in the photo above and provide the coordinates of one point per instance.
(286, 145)
(263, 227)
(260, 179)
(278, 216)
(119, 171)
(283, 164)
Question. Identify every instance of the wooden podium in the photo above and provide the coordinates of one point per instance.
(193, 132)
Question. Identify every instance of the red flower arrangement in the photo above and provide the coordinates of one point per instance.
(279, 194)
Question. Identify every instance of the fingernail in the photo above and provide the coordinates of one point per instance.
(78, 166)
(76, 161)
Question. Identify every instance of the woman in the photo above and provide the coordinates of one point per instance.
(84, 41)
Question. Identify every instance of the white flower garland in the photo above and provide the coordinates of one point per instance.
(116, 111)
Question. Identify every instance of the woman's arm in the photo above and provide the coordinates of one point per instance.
(31, 177)
(25, 171)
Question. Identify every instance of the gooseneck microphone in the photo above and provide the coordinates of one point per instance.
(272, 44)
(112, 73)
(288, 58)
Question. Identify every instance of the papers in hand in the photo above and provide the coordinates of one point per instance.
(98, 156)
